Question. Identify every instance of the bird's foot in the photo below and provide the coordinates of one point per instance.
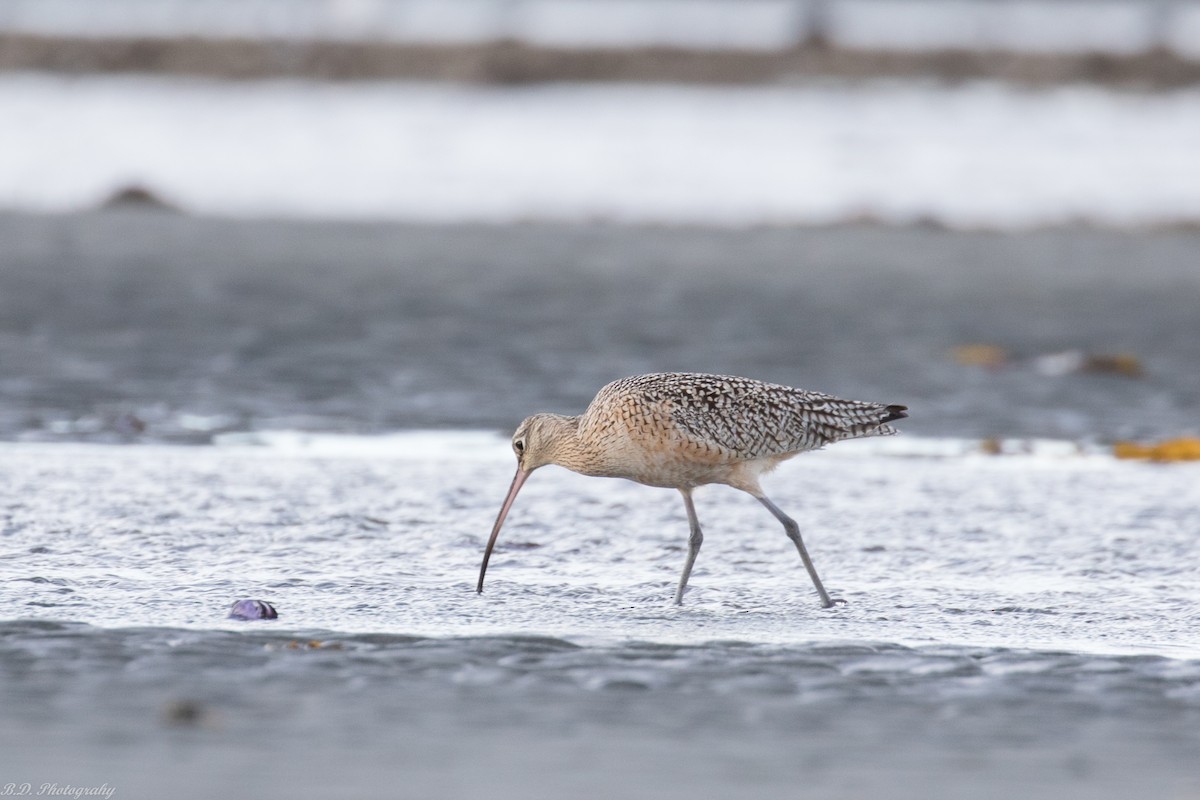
(834, 602)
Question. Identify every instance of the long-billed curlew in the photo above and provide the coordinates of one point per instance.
(682, 430)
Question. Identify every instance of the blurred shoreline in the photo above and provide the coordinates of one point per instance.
(980, 155)
(510, 62)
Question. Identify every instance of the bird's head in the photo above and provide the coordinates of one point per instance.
(540, 440)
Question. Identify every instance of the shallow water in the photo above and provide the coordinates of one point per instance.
(1020, 624)
(150, 711)
(1016, 625)
(139, 326)
(386, 536)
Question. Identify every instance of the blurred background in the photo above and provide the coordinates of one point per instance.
(364, 215)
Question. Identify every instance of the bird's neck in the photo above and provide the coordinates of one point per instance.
(569, 449)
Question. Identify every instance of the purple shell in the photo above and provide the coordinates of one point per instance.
(252, 609)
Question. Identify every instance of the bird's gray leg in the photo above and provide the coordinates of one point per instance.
(793, 532)
(694, 541)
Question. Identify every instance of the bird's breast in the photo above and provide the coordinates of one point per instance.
(650, 449)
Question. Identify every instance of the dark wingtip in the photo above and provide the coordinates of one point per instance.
(895, 412)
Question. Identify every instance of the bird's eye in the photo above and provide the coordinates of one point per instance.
(519, 446)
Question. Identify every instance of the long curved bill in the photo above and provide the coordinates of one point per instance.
(517, 483)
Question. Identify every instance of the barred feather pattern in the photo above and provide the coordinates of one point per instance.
(682, 430)
(746, 418)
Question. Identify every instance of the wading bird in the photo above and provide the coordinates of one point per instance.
(682, 430)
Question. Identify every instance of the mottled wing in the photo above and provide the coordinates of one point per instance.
(752, 419)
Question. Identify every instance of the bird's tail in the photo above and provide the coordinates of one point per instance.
(891, 413)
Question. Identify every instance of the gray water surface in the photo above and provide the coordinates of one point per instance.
(1021, 625)
(137, 325)
(189, 714)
